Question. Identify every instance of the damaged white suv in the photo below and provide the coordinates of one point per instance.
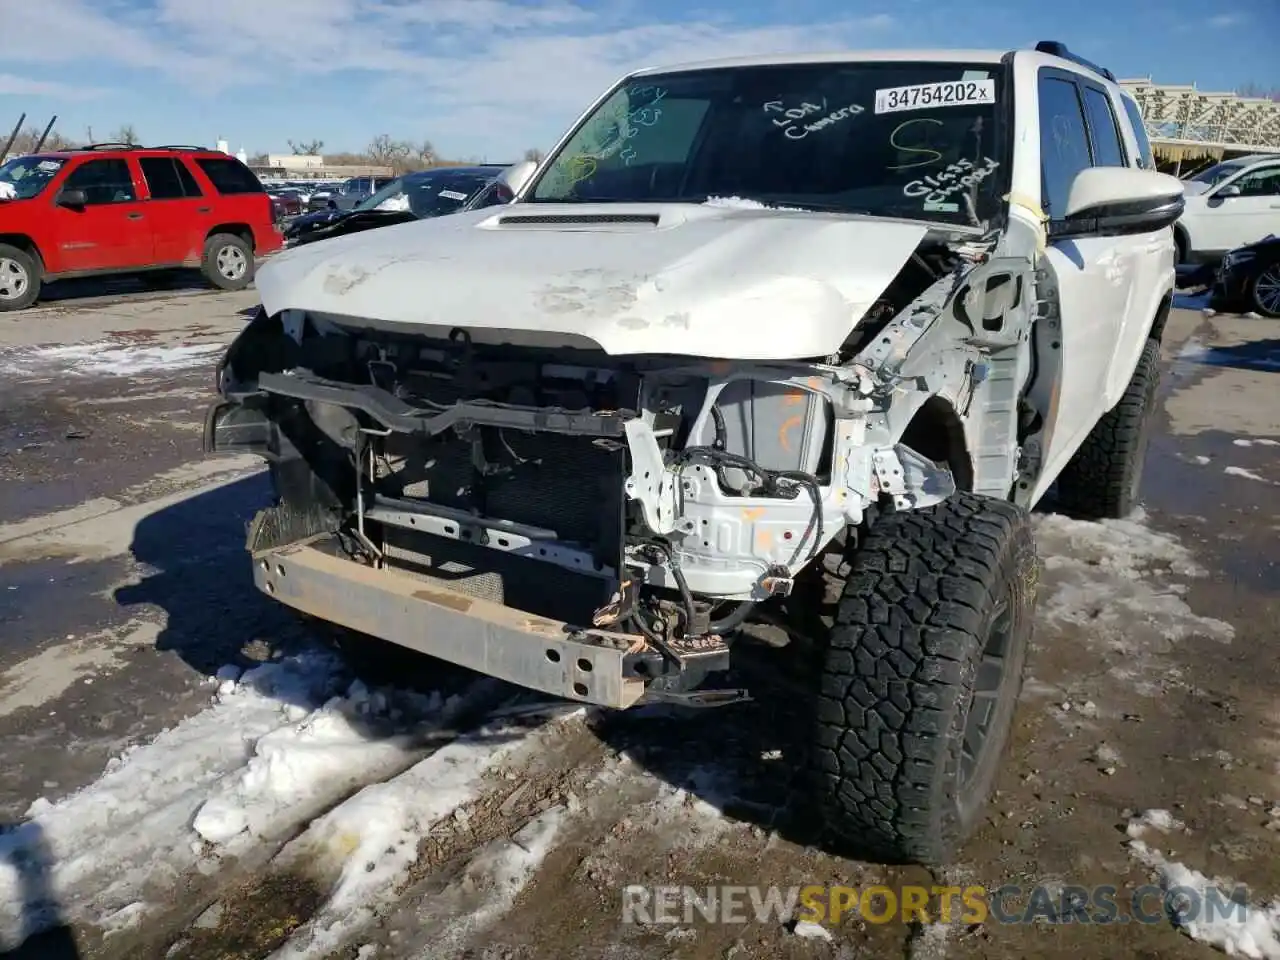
(779, 348)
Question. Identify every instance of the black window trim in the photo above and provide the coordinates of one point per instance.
(1086, 83)
(1073, 78)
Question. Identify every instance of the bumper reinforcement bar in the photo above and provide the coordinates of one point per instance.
(490, 638)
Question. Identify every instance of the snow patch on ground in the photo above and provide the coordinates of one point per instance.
(277, 744)
(111, 358)
(1255, 442)
(370, 841)
(1113, 578)
(1202, 908)
(1246, 474)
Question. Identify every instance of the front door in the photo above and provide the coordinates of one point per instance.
(111, 231)
(1091, 273)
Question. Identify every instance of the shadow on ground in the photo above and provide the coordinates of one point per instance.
(24, 848)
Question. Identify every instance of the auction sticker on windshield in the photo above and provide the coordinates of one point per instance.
(953, 93)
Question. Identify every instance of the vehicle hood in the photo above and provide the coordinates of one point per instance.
(1268, 244)
(689, 279)
(349, 222)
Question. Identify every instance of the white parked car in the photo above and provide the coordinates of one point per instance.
(1230, 205)
(775, 348)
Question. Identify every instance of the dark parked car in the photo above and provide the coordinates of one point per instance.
(352, 192)
(415, 196)
(285, 201)
(1249, 278)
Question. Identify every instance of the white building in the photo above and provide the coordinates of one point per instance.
(289, 161)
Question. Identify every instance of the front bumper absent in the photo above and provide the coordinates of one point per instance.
(490, 638)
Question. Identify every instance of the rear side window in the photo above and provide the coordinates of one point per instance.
(1064, 142)
(1145, 159)
(229, 175)
(168, 178)
(1108, 151)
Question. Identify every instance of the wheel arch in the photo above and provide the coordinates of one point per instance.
(1161, 318)
(26, 244)
(936, 430)
(241, 230)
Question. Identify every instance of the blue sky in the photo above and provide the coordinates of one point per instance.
(488, 78)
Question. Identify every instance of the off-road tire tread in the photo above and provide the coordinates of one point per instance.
(1095, 483)
(209, 266)
(899, 667)
(33, 278)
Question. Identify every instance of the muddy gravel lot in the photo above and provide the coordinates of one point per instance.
(192, 772)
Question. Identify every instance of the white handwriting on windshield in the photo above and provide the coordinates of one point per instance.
(952, 179)
(789, 119)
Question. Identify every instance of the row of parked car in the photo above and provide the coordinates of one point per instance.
(1228, 208)
(115, 209)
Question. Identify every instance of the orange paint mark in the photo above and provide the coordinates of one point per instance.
(794, 398)
(764, 541)
(752, 513)
(788, 425)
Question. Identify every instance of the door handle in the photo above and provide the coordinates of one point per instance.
(203, 209)
(133, 216)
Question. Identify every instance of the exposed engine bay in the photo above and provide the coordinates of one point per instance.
(661, 496)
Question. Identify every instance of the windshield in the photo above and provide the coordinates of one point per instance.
(23, 177)
(430, 194)
(917, 140)
(1217, 173)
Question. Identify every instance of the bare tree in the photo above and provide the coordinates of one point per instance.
(427, 154)
(306, 148)
(384, 151)
(534, 154)
(126, 133)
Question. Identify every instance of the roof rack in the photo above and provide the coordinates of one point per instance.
(177, 146)
(110, 146)
(1057, 49)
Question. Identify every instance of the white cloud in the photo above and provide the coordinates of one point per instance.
(1226, 20)
(15, 86)
(502, 73)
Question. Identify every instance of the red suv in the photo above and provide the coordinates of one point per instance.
(115, 208)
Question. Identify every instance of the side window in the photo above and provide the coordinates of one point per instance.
(1108, 151)
(1145, 159)
(188, 180)
(229, 176)
(1260, 183)
(1064, 142)
(103, 181)
(162, 178)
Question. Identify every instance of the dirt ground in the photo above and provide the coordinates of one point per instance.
(280, 810)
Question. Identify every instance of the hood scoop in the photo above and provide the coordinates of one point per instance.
(577, 219)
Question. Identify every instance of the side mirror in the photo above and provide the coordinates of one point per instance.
(1230, 190)
(1110, 201)
(518, 175)
(72, 198)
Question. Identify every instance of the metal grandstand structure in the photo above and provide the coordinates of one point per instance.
(1184, 123)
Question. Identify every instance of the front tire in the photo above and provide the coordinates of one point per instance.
(1101, 481)
(19, 278)
(921, 675)
(228, 261)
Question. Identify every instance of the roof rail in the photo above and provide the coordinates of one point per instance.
(1057, 49)
(109, 146)
(177, 146)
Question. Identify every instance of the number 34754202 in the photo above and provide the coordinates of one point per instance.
(954, 93)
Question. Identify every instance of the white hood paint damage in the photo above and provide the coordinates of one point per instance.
(705, 281)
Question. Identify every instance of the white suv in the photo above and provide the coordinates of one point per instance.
(776, 349)
(1230, 205)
